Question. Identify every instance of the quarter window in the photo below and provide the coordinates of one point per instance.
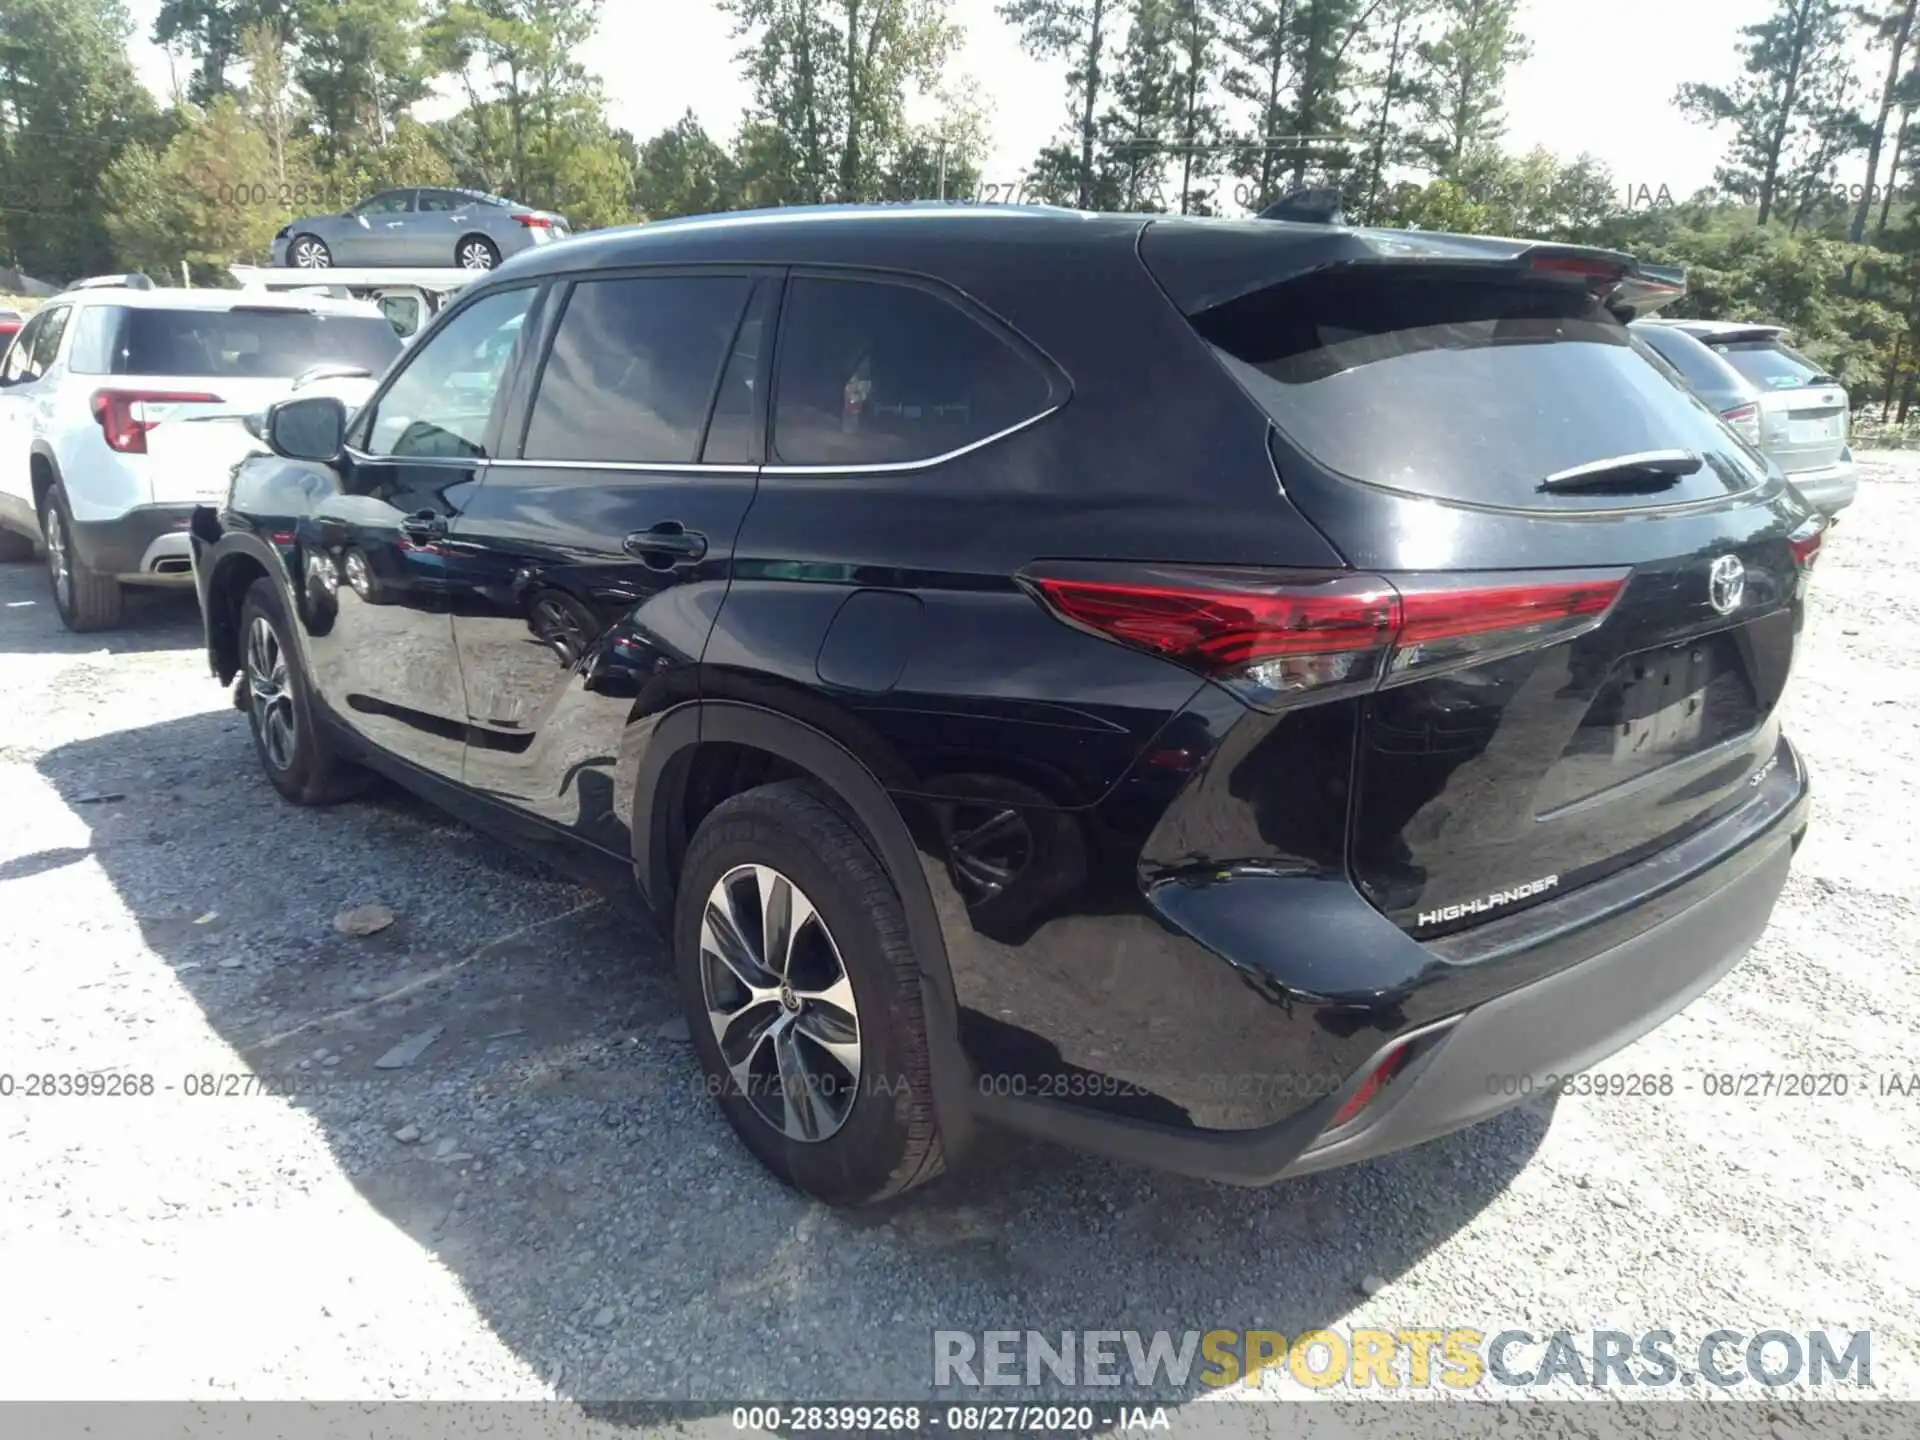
(440, 405)
(877, 373)
(48, 345)
(633, 369)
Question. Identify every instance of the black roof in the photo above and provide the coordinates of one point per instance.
(1201, 261)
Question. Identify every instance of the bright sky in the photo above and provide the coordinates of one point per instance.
(1601, 78)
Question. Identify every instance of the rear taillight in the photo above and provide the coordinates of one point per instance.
(126, 416)
(1745, 421)
(1805, 542)
(1273, 636)
(535, 222)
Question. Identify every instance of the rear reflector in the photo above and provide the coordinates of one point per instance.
(126, 416)
(1273, 635)
(1371, 1087)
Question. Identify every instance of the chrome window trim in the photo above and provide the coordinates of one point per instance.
(642, 467)
(362, 457)
(903, 467)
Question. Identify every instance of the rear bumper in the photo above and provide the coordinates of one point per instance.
(147, 545)
(1831, 489)
(1610, 962)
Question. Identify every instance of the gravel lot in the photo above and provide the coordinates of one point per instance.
(542, 1204)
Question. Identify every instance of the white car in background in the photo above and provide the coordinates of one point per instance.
(1805, 416)
(101, 460)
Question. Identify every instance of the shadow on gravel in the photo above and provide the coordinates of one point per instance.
(552, 1145)
(154, 619)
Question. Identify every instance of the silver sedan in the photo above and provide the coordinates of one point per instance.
(416, 227)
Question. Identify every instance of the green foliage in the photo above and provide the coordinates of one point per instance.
(69, 104)
(1791, 112)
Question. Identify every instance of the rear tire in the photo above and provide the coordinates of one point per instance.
(476, 252)
(296, 753)
(84, 599)
(873, 1135)
(309, 252)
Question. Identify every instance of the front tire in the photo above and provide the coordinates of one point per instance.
(309, 252)
(476, 252)
(84, 599)
(803, 997)
(295, 752)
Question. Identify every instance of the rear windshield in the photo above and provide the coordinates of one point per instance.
(1465, 387)
(263, 343)
(1705, 371)
(1771, 365)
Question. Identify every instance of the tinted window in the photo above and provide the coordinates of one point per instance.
(633, 368)
(441, 200)
(249, 343)
(876, 374)
(1692, 359)
(1464, 389)
(96, 336)
(440, 404)
(730, 439)
(1771, 365)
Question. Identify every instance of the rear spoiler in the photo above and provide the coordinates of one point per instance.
(1202, 264)
(1647, 290)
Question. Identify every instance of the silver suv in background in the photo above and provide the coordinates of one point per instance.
(1724, 389)
(1805, 417)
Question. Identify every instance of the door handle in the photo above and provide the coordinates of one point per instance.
(666, 545)
(425, 525)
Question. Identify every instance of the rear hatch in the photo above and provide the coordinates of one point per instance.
(183, 381)
(1803, 410)
(1596, 589)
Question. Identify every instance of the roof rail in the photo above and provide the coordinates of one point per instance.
(133, 280)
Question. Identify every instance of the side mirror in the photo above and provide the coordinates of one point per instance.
(311, 428)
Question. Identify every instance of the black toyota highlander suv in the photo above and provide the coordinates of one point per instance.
(1238, 696)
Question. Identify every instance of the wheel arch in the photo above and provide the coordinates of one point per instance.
(43, 471)
(236, 564)
(708, 732)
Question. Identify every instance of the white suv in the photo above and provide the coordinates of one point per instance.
(100, 462)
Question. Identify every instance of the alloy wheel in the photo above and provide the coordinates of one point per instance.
(311, 255)
(780, 1002)
(476, 255)
(272, 696)
(59, 563)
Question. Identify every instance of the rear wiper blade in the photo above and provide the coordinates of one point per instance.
(1648, 470)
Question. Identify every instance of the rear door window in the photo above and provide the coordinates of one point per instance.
(633, 369)
(1465, 388)
(263, 343)
(1771, 365)
(883, 373)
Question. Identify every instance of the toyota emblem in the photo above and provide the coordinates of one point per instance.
(1726, 584)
